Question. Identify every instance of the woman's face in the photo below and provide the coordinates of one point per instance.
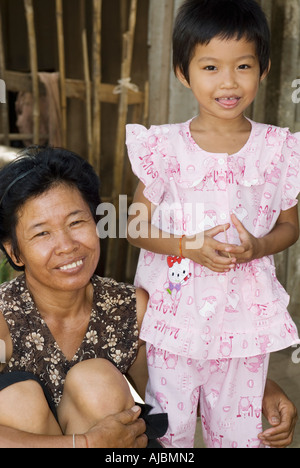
(57, 240)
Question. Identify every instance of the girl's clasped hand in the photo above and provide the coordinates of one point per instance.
(221, 257)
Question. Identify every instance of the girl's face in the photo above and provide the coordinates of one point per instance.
(224, 77)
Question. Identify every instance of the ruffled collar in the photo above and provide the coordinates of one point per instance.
(250, 166)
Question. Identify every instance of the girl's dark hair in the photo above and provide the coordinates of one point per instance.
(199, 21)
(33, 173)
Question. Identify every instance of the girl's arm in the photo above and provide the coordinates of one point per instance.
(284, 235)
(201, 248)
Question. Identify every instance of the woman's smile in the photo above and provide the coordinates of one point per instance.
(58, 242)
(72, 267)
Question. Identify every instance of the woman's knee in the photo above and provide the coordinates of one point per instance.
(23, 406)
(95, 378)
(93, 390)
(98, 383)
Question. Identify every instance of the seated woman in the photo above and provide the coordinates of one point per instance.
(68, 334)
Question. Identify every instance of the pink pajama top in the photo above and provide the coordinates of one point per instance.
(192, 311)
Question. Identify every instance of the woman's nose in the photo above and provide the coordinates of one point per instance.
(65, 243)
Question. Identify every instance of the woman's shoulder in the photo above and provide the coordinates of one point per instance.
(14, 289)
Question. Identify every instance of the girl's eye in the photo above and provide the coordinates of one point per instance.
(210, 68)
(244, 67)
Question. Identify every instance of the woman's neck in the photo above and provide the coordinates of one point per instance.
(60, 305)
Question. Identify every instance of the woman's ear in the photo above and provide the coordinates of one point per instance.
(180, 76)
(10, 252)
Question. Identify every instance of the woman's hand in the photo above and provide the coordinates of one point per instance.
(281, 413)
(123, 430)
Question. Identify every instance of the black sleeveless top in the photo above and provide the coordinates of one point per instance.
(112, 332)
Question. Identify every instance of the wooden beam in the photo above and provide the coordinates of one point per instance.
(17, 81)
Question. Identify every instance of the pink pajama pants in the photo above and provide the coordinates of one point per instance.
(230, 393)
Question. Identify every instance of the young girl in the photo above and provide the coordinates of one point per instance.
(220, 192)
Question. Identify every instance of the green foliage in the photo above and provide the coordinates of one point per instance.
(6, 271)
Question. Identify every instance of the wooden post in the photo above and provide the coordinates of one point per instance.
(62, 70)
(289, 63)
(128, 43)
(161, 25)
(259, 106)
(88, 96)
(3, 106)
(97, 8)
(34, 69)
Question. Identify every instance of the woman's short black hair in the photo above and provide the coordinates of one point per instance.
(33, 173)
(199, 21)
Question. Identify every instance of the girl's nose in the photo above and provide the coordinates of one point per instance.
(228, 80)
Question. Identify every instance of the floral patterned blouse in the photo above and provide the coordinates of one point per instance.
(112, 332)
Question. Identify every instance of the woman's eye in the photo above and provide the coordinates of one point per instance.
(76, 223)
(42, 234)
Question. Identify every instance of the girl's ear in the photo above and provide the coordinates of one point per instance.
(180, 76)
(265, 74)
(10, 252)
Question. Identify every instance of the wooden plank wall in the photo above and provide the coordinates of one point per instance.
(99, 48)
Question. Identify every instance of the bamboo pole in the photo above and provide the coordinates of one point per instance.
(146, 104)
(62, 69)
(34, 69)
(128, 43)
(97, 8)
(88, 96)
(4, 106)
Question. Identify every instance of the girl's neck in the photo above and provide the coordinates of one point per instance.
(222, 136)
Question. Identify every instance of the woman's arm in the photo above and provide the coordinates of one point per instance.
(123, 430)
(7, 341)
(138, 372)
